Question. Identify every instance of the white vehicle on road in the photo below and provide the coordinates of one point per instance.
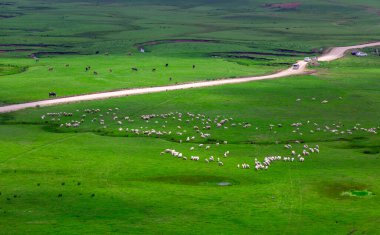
(307, 59)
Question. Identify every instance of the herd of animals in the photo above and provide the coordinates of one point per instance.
(88, 68)
(202, 133)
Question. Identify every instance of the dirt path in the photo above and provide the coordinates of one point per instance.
(333, 54)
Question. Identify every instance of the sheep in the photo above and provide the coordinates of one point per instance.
(194, 158)
(288, 146)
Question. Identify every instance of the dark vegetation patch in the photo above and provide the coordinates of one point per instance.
(295, 52)
(252, 53)
(336, 189)
(6, 16)
(7, 3)
(49, 53)
(35, 8)
(10, 14)
(247, 57)
(6, 117)
(8, 69)
(362, 146)
(374, 150)
(279, 64)
(157, 42)
(92, 34)
(33, 45)
(283, 6)
(357, 193)
(24, 30)
(15, 50)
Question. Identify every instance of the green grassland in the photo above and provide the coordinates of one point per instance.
(81, 33)
(69, 76)
(98, 179)
(117, 182)
(115, 26)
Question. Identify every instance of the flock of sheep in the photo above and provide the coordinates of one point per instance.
(306, 152)
(201, 132)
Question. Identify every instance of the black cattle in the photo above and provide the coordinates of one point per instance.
(135, 69)
(166, 65)
(52, 94)
(153, 70)
(193, 66)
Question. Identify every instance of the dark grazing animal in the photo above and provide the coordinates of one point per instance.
(52, 94)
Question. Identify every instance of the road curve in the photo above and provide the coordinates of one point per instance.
(333, 54)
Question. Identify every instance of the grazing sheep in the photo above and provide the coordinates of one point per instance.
(194, 158)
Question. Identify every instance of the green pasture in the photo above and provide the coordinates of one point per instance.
(67, 75)
(100, 180)
(245, 38)
(103, 178)
(116, 26)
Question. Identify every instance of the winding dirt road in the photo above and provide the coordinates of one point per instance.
(333, 54)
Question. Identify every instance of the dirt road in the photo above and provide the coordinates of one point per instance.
(333, 54)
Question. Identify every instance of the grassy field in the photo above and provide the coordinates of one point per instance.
(108, 176)
(69, 76)
(101, 180)
(222, 39)
(116, 26)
